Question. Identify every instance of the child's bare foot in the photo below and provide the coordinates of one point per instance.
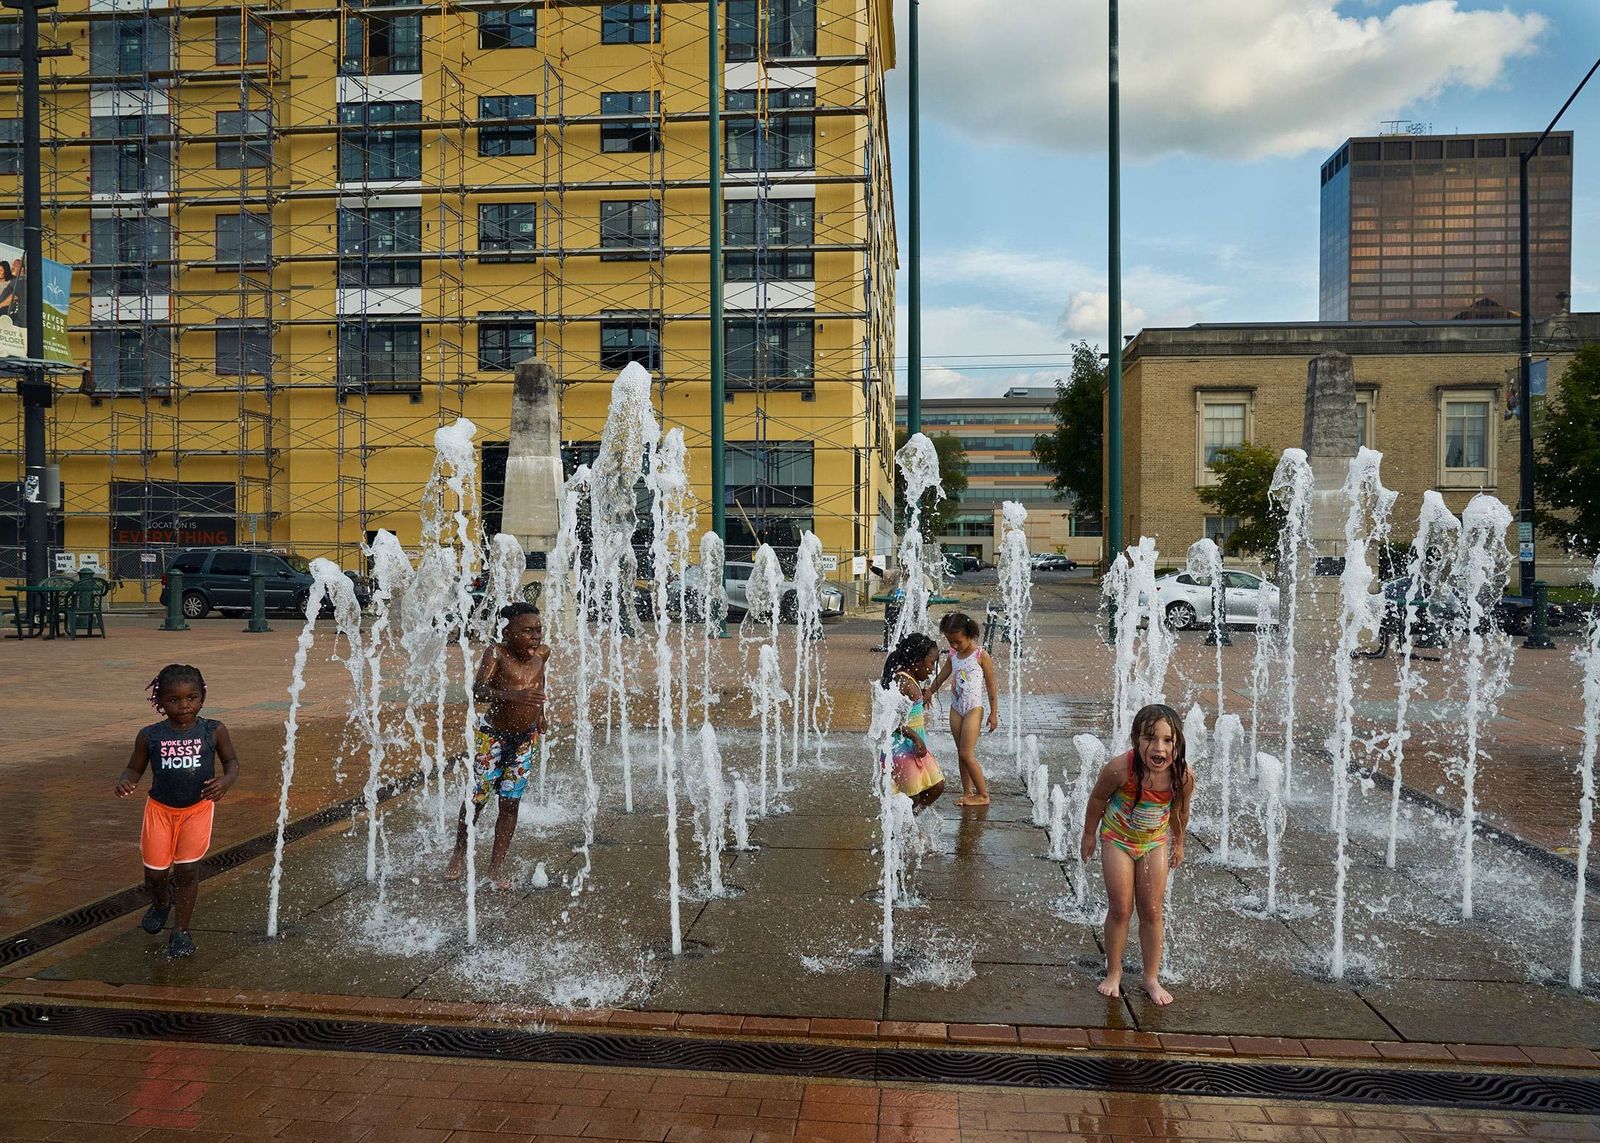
(1154, 990)
(1111, 986)
(499, 880)
(973, 800)
(457, 866)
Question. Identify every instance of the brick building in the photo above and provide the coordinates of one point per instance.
(1431, 397)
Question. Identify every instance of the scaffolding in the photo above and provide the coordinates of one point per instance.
(218, 95)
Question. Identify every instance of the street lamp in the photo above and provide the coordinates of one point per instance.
(1538, 628)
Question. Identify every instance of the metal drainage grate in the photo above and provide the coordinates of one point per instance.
(69, 925)
(1477, 1091)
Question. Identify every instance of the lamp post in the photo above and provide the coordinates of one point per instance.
(1113, 522)
(34, 386)
(719, 493)
(914, 218)
(1527, 580)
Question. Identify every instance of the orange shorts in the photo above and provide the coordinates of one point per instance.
(172, 835)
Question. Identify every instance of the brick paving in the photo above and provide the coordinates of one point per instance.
(84, 1091)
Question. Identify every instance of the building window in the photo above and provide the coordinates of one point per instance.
(1466, 444)
(771, 491)
(505, 339)
(629, 24)
(625, 341)
(1223, 420)
(638, 134)
(508, 226)
(771, 350)
(784, 141)
(129, 45)
(369, 241)
(244, 351)
(769, 226)
(130, 255)
(134, 163)
(254, 147)
(10, 39)
(506, 139)
(1366, 428)
(372, 151)
(379, 355)
(508, 28)
(633, 226)
(789, 30)
(10, 146)
(228, 40)
(130, 360)
(382, 45)
(244, 238)
(1220, 529)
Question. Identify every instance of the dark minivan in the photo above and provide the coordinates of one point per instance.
(219, 578)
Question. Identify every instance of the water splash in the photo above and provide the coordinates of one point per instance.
(1588, 656)
(327, 582)
(1039, 794)
(1058, 824)
(1028, 762)
(1140, 672)
(1197, 751)
(1015, 573)
(1273, 820)
(1360, 612)
(1204, 562)
(668, 482)
(807, 687)
(1092, 755)
(920, 562)
(763, 605)
(1482, 568)
(711, 597)
(1229, 733)
(1437, 531)
(714, 832)
(1290, 493)
(570, 589)
(889, 708)
(741, 816)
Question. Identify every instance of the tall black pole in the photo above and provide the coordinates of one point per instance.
(719, 484)
(1113, 498)
(1528, 570)
(914, 218)
(34, 387)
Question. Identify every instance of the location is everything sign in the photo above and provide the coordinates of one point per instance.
(57, 286)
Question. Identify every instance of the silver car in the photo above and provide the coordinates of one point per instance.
(736, 581)
(1185, 600)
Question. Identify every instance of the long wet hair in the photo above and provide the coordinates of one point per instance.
(170, 676)
(962, 622)
(910, 651)
(1147, 717)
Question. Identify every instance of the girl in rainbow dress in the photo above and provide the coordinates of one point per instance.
(916, 774)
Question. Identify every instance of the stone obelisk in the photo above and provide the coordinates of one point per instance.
(1330, 440)
(533, 463)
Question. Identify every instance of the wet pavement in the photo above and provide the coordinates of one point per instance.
(992, 937)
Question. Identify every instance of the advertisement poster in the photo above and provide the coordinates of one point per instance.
(13, 298)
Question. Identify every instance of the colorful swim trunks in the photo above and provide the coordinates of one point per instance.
(501, 762)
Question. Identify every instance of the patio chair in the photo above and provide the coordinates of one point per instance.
(86, 606)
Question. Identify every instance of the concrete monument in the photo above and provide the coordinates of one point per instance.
(533, 462)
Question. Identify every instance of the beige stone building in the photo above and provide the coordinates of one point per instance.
(1431, 396)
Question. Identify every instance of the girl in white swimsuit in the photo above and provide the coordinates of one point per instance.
(972, 676)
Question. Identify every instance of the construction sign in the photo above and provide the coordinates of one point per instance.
(14, 299)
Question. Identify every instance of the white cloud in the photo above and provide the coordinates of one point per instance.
(1236, 78)
(1088, 315)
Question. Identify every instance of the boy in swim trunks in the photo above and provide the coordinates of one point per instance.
(510, 685)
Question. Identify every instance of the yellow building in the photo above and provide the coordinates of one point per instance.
(308, 234)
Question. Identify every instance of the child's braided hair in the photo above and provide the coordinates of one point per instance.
(171, 675)
(910, 651)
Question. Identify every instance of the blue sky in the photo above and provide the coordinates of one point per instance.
(1228, 109)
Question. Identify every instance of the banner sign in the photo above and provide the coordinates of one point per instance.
(57, 286)
(190, 532)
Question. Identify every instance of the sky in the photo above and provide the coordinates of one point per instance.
(1228, 109)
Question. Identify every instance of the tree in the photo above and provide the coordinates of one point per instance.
(936, 517)
(1567, 462)
(1073, 452)
(1244, 480)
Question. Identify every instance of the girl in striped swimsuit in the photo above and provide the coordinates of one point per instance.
(1140, 807)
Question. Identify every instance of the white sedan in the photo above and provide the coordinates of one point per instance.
(1186, 599)
(736, 580)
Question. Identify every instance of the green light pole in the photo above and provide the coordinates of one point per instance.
(719, 493)
(1113, 522)
(914, 219)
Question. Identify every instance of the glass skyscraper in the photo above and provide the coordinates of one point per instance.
(1424, 227)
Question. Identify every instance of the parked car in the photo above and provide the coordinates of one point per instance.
(1052, 561)
(962, 562)
(1185, 600)
(736, 581)
(219, 579)
(1438, 619)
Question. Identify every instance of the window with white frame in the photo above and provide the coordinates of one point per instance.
(1366, 427)
(1466, 439)
(1222, 420)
